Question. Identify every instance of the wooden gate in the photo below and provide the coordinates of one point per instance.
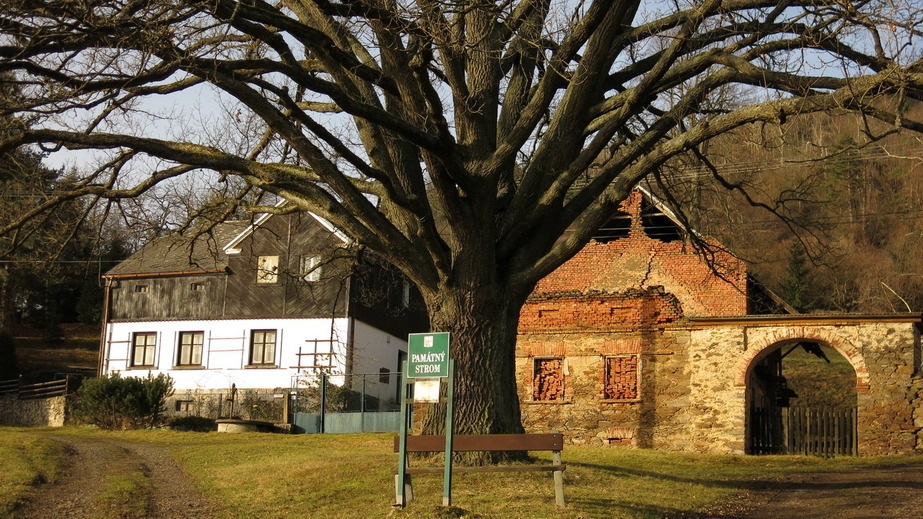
(803, 430)
(820, 431)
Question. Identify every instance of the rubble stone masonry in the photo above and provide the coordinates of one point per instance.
(692, 397)
(36, 412)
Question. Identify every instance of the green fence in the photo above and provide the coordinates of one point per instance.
(365, 402)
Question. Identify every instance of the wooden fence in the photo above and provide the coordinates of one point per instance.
(41, 390)
(803, 430)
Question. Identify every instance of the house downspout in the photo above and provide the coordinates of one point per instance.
(103, 336)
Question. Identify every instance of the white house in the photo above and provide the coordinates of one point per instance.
(246, 310)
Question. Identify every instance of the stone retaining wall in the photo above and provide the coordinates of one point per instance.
(36, 412)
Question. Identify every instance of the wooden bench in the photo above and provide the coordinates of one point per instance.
(553, 442)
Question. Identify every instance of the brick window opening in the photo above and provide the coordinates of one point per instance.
(620, 435)
(658, 225)
(548, 380)
(621, 382)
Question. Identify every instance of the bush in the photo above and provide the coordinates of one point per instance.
(117, 403)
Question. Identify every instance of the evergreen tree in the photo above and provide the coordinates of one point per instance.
(795, 287)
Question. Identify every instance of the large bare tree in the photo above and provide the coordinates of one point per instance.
(476, 145)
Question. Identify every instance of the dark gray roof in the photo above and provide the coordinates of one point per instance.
(194, 251)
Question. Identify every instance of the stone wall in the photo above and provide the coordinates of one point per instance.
(918, 410)
(692, 385)
(35, 412)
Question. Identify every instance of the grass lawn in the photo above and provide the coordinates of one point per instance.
(351, 476)
(26, 460)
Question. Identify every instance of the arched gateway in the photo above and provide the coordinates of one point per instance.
(795, 406)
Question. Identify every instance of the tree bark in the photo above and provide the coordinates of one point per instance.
(482, 325)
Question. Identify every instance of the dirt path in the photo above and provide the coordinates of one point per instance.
(167, 490)
(874, 492)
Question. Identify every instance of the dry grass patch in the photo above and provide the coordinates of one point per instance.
(27, 460)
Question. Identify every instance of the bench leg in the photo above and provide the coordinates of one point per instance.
(401, 500)
(558, 480)
(559, 487)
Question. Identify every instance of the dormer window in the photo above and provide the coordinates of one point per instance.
(267, 270)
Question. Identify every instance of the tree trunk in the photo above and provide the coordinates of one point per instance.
(482, 324)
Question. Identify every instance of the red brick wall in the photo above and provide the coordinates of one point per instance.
(628, 311)
(639, 262)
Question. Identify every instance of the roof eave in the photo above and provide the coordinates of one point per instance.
(223, 270)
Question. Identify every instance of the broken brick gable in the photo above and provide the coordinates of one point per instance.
(639, 262)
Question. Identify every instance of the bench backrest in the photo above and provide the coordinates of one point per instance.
(484, 442)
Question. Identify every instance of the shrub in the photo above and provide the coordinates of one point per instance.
(113, 402)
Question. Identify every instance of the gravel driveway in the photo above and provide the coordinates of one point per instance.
(170, 494)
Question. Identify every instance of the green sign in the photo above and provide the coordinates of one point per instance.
(428, 355)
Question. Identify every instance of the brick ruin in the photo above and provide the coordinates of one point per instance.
(636, 341)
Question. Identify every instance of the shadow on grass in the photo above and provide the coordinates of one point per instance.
(757, 484)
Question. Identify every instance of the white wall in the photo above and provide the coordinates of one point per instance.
(226, 350)
(373, 350)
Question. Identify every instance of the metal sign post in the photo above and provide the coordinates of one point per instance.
(449, 430)
(427, 362)
(400, 480)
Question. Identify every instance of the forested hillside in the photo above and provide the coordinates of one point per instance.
(850, 236)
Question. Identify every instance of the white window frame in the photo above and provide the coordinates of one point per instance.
(405, 294)
(311, 267)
